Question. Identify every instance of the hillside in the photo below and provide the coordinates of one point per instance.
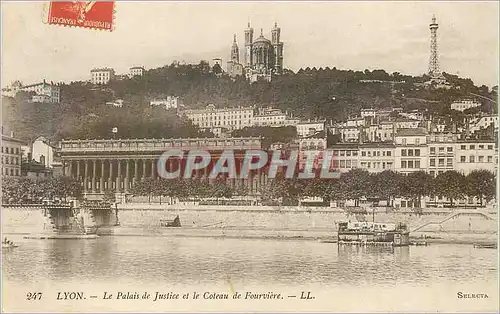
(323, 93)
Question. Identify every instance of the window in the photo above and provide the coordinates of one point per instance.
(410, 163)
(342, 152)
(481, 146)
(490, 146)
(403, 141)
(441, 162)
(17, 150)
(432, 162)
(481, 159)
(471, 158)
(472, 147)
(403, 164)
(348, 153)
(417, 164)
(417, 152)
(490, 158)
(432, 173)
(462, 158)
(410, 152)
(417, 141)
(449, 149)
(342, 164)
(449, 162)
(355, 153)
(462, 147)
(403, 152)
(433, 150)
(348, 163)
(363, 165)
(389, 153)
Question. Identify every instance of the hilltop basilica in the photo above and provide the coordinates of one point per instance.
(263, 57)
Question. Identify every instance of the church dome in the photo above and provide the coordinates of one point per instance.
(262, 41)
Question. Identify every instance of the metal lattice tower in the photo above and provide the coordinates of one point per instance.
(434, 60)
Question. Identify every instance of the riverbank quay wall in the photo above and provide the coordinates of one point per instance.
(324, 220)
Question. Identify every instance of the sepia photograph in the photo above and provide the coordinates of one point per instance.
(249, 156)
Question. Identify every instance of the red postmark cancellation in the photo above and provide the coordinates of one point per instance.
(88, 14)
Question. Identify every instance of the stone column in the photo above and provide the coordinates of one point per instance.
(70, 168)
(136, 170)
(153, 168)
(94, 166)
(110, 178)
(78, 170)
(86, 176)
(101, 180)
(143, 169)
(64, 168)
(119, 176)
(127, 175)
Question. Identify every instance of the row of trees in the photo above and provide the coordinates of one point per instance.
(388, 185)
(355, 184)
(26, 190)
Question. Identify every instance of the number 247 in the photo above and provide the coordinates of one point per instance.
(34, 296)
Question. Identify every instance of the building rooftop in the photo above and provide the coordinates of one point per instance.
(411, 132)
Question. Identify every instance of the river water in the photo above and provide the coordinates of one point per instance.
(340, 278)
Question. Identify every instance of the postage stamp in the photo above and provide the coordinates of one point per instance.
(88, 14)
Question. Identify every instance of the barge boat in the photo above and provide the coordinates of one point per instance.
(373, 233)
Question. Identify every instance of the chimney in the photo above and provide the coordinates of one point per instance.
(11, 133)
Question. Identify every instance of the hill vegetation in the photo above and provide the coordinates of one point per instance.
(321, 93)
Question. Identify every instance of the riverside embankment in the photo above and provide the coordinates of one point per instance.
(307, 223)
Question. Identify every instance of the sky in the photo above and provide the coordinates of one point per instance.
(356, 35)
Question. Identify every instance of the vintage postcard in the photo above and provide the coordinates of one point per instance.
(241, 156)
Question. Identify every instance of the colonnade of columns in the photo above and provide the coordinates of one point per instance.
(100, 175)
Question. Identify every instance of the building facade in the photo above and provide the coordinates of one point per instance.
(102, 75)
(115, 165)
(169, 102)
(464, 105)
(234, 67)
(11, 156)
(137, 71)
(228, 118)
(263, 57)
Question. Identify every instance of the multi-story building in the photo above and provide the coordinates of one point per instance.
(442, 152)
(270, 117)
(376, 157)
(228, 118)
(475, 155)
(411, 151)
(464, 105)
(11, 156)
(483, 122)
(42, 151)
(137, 71)
(344, 156)
(12, 90)
(102, 75)
(169, 102)
(309, 128)
(43, 92)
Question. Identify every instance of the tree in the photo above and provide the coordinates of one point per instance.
(450, 184)
(480, 184)
(416, 184)
(355, 184)
(386, 185)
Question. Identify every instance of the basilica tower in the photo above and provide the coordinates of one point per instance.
(278, 49)
(248, 45)
(235, 51)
